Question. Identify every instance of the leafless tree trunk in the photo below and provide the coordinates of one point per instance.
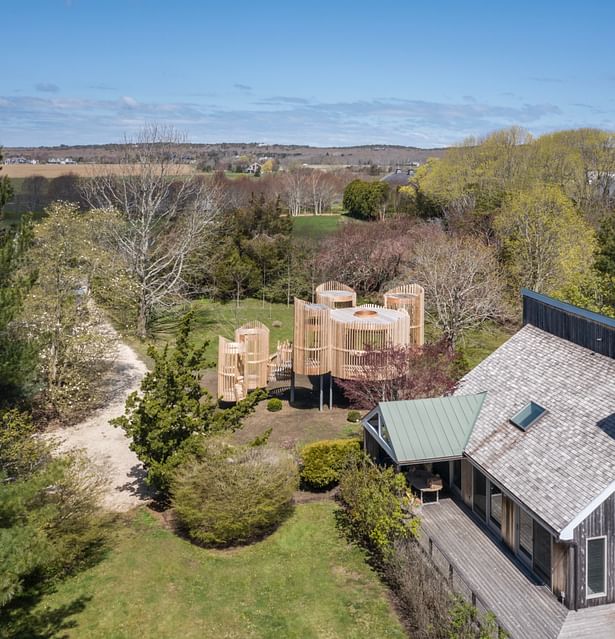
(462, 283)
(164, 215)
(296, 190)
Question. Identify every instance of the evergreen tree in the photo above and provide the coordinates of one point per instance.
(17, 356)
(173, 408)
(6, 188)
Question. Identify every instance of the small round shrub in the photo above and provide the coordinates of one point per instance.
(323, 461)
(353, 416)
(231, 495)
(274, 405)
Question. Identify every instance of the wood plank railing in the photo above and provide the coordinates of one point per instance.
(457, 582)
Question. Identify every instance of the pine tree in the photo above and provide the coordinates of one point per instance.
(6, 188)
(173, 407)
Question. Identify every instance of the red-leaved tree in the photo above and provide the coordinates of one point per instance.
(402, 372)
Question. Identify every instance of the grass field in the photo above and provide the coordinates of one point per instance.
(316, 227)
(56, 170)
(303, 582)
(221, 318)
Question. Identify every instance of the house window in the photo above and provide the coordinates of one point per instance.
(596, 567)
(495, 505)
(528, 415)
(541, 552)
(526, 536)
(457, 474)
(480, 494)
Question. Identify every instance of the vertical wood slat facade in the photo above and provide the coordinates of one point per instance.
(335, 295)
(601, 522)
(410, 297)
(311, 343)
(255, 337)
(576, 325)
(355, 330)
(230, 370)
(509, 522)
(559, 568)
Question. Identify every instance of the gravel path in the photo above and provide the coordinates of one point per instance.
(109, 446)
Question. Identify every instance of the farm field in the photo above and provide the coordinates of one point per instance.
(304, 581)
(82, 170)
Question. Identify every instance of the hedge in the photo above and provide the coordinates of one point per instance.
(324, 460)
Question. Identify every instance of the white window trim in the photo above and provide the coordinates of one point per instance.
(595, 595)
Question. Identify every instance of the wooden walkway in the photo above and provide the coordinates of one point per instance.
(483, 566)
(597, 622)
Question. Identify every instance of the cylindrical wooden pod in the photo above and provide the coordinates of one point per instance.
(230, 370)
(354, 331)
(255, 337)
(410, 297)
(311, 343)
(335, 295)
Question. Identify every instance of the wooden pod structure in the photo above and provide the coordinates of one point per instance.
(231, 386)
(335, 295)
(311, 344)
(410, 297)
(254, 336)
(354, 331)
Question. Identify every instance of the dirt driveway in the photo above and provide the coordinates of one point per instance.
(109, 446)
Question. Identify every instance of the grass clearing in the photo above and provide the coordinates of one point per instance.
(222, 318)
(303, 581)
(317, 227)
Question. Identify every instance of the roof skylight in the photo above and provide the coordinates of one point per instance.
(528, 416)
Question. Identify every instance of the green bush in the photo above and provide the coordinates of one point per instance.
(226, 495)
(323, 461)
(378, 507)
(274, 405)
(353, 416)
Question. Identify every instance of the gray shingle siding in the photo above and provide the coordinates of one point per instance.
(568, 457)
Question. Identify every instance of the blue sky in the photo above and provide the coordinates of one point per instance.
(333, 72)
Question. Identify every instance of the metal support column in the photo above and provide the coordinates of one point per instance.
(292, 386)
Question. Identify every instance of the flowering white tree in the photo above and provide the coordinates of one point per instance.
(76, 346)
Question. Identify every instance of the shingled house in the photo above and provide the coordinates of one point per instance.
(526, 449)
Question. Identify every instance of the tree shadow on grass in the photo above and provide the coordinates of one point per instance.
(28, 617)
(26, 622)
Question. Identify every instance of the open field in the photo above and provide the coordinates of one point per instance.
(221, 318)
(317, 227)
(304, 581)
(82, 170)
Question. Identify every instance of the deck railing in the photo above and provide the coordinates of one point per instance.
(457, 582)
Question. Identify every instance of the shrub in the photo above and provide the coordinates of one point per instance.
(227, 495)
(274, 405)
(378, 506)
(324, 461)
(353, 416)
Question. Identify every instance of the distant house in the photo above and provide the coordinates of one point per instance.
(525, 450)
(254, 168)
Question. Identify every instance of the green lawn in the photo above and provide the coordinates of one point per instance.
(304, 581)
(481, 342)
(316, 227)
(221, 318)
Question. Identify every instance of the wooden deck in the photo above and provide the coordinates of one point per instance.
(597, 622)
(483, 566)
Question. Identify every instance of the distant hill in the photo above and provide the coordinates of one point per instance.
(224, 155)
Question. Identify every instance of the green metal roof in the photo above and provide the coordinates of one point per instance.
(424, 429)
